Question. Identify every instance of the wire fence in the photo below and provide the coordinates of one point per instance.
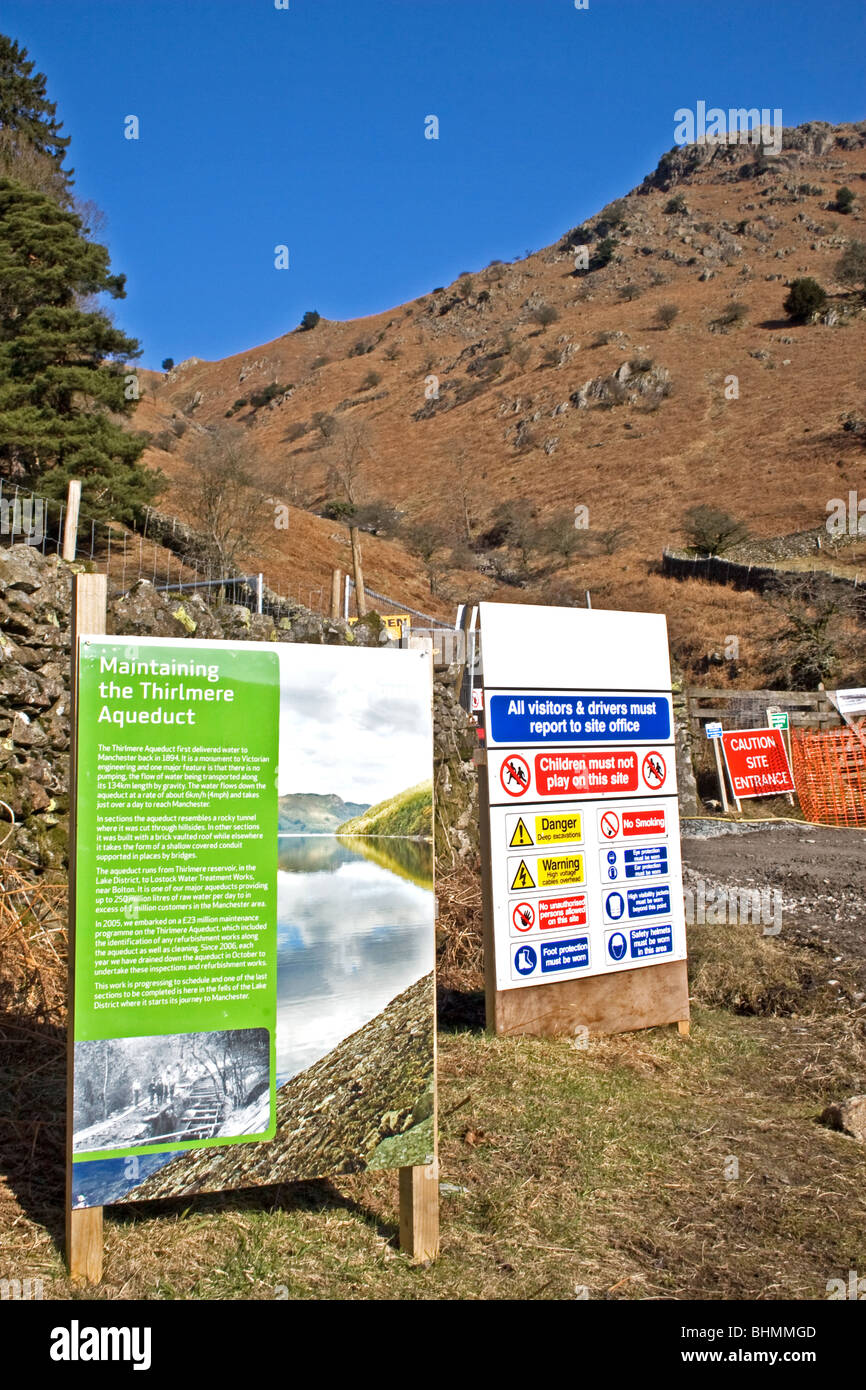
(172, 556)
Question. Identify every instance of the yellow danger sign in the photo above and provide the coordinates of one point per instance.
(554, 830)
(521, 835)
(523, 878)
(558, 870)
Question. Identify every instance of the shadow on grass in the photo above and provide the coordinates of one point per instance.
(309, 1195)
(32, 1147)
(33, 1117)
(460, 1011)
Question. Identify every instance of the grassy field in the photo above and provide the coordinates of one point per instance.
(640, 1166)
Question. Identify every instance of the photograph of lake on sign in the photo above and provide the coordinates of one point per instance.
(355, 935)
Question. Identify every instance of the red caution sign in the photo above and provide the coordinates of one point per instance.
(557, 913)
(651, 822)
(626, 822)
(586, 772)
(757, 762)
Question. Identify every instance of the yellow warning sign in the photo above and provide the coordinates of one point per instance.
(558, 870)
(554, 830)
(521, 835)
(523, 878)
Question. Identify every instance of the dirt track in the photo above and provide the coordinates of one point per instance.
(819, 870)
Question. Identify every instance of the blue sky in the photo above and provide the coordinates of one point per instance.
(305, 127)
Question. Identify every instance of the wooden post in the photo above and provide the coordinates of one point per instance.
(462, 658)
(360, 596)
(721, 772)
(70, 527)
(336, 585)
(419, 1186)
(419, 1212)
(84, 1224)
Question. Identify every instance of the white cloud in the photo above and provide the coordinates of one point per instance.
(354, 722)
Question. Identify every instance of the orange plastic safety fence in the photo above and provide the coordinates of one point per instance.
(830, 773)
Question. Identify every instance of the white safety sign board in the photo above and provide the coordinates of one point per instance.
(585, 867)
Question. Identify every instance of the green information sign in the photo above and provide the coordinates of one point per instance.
(176, 939)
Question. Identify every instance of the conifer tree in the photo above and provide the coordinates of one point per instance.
(32, 148)
(64, 373)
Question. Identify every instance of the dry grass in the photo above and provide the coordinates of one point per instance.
(460, 953)
(733, 966)
(639, 1166)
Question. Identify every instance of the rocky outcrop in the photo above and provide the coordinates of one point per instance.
(367, 1104)
(455, 739)
(629, 384)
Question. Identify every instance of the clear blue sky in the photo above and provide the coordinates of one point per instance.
(305, 127)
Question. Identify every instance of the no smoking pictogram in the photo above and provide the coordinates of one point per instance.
(609, 825)
(654, 770)
(523, 916)
(514, 775)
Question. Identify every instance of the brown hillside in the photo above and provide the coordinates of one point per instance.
(511, 346)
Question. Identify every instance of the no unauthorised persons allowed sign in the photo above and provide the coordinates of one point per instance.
(580, 730)
(757, 762)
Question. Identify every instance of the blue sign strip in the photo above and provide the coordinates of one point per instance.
(564, 955)
(651, 941)
(649, 902)
(579, 718)
(652, 859)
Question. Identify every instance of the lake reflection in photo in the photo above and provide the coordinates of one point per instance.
(353, 931)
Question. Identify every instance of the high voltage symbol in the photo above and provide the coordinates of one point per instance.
(523, 878)
(521, 836)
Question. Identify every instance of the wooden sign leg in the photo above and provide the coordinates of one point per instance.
(419, 1186)
(84, 1244)
(419, 1212)
(83, 1224)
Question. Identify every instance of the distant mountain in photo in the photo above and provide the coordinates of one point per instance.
(303, 813)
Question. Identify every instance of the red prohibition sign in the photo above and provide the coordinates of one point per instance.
(609, 825)
(514, 775)
(523, 916)
(654, 769)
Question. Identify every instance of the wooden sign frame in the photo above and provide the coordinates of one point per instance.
(418, 1186)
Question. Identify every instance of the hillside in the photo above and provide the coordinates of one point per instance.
(311, 813)
(409, 813)
(534, 384)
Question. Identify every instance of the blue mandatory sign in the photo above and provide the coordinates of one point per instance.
(525, 960)
(649, 902)
(638, 902)
(614, 906)
(651, 941)
(617, 946)
(564, 955)
(579, 717)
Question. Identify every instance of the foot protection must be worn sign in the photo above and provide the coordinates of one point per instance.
(584, 828)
